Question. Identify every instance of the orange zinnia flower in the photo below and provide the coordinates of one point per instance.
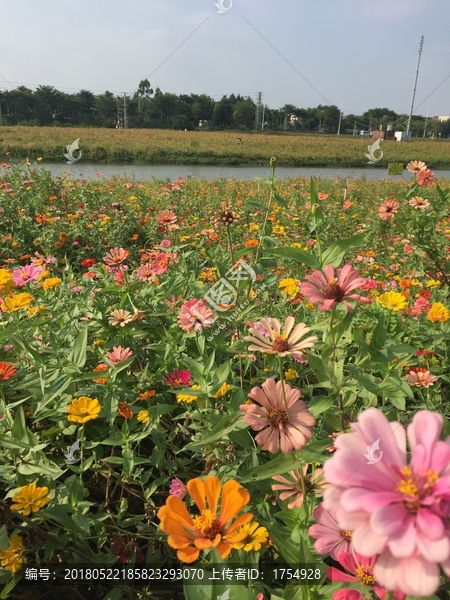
(7, 370)
(190, 535)
(125, 410)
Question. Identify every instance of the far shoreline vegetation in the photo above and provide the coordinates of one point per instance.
(224, 148)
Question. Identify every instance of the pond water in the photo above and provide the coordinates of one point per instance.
(144, 172)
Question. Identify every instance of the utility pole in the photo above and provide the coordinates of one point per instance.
(258, 110)
(340, 119)
(125, 118)
(262, 122)
(424, 129)
(414, 91)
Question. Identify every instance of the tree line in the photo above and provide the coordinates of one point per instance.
(46, 106)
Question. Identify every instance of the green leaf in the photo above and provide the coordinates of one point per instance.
(334, 254)
(379, 334)
(295, 254)
(78, 353)
(4, 539)
(322, 405)
(128, 460)
(114, 594)
(223, 427)
(82, 522)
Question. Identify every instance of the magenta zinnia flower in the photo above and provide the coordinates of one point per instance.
(330, 538)
(288, 427)
(327, 289)
(362, 569)
(194, 315)
(177, 488)
(26, 274)
(119, 354)
(276, 341)
(398, 510)
(178, 378)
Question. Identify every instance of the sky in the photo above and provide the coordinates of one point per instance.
(356, 54)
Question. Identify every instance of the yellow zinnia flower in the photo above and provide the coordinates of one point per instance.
(11, 558)
(51, 283)
(6, 281)
(256, 537)
(433, 283)
(289, 287)
(186, 397)
(222, 391)
(143, 416)
(16, 302)
(83, 409)
(290, 374)
(438, 313)
(392, 301)
(30, 498)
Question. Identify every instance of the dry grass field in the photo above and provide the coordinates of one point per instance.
(156, 146)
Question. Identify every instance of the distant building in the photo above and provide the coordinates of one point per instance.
(443, 119)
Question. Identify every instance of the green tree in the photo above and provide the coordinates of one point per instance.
(244, 113)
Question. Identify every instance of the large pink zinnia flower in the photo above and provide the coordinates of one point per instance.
(330, 538)
(288, 427)
(362, 569)
(166, 217)
(388, 209)
(26, 274)
(397, 510)
(328, 289)
(194, 315)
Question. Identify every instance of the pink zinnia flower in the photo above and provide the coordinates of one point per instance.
(397, 510)
(420, 377)
(26, 274)
(414, 166)
(347, 594)
(421, 305)
(277, 341)
(177, 488)
(160, 263)
(297, 484)
(288, 427)
(178, 378)
(388, 209)
(166, 217)
(425, 177)
(145, 272)
(119, 354)
(194, 315)
(165, 244)
(362, 569)
(327, 289)
(120, 317)
(330, 538)
(419, 203)
(115, 256)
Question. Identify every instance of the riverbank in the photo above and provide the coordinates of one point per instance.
(164, 147)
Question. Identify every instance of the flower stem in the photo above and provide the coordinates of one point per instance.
(230, 246)
(283, 388)
(388, 595)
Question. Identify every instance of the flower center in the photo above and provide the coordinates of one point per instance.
(207, 524)
(277, 417)
(333, 291)
(415, 487)
(280, 344)
(346, 535)
(364, 574)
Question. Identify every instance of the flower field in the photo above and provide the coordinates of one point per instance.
(162, 146)
(200, 381)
